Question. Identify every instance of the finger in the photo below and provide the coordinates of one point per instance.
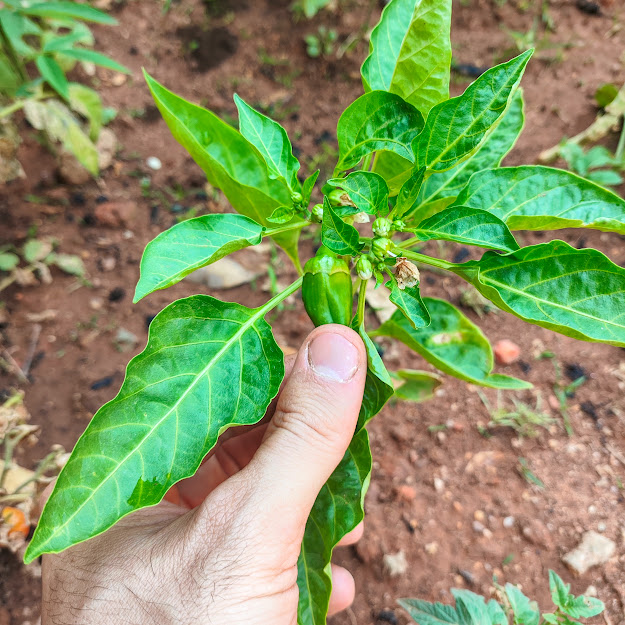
(343, 590)
(313, 424)
(353, 537)
(234, 449)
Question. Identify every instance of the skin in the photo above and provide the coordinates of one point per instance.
(222, 547)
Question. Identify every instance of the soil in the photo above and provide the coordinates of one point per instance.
(439, 468)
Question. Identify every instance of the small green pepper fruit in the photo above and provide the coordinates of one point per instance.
(364, 268)
(327, 289)
(382, 227)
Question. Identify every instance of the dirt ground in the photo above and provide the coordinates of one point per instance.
(443, 482)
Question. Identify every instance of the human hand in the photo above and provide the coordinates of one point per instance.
(223, 547)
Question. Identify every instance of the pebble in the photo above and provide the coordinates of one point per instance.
(406, 493)
(395, 564)
(439, 485)
(479, 515)
(108, 263)
(594, 549)
(154, 163)
(508, 522)
(601, 527)
(431, 548)
(126, 338)
(478, 527)
(118, 214)
(506, 352)
(96, 303)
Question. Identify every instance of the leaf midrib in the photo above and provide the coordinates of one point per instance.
(232, 340)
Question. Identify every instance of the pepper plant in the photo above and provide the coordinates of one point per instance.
(423, 167)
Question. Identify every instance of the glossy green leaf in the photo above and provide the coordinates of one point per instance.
(426, 613)
(368, 191)
(15, 27)
(282, 215)
(409, 301)
(407, 199)
(192, 244)
(336, 235)
(394, 169)
(87, 102)
(525, 612)
(52, 73)
(208, 365)
(472, 609)
(378, 384)
(377, 121)
(336, 512)
(271, 140)
(64, 10)
(308, 186)
(59, 43)
(411, 52)
(58, 121)
(449, 183)
(452, 343)
(90, 56)
(470, 226)
(424, 211)
(417, 386)
(69, 263)
(580, 293)
(456, 128)
(533, 197)
(229, 161)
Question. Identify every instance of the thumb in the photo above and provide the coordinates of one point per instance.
(312, 426)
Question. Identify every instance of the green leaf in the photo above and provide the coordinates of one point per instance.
(470, 226)
(449, 183)
(192, 244)
(336, 235)
(579, 293)
(418, 386)
(471, 607)
(394, 169)
(605, 177)
(58, 121)
(87, 102)
(282, 215)
(496, 613)
(310, 8)
(15, 27)
(451, 343)
(52, 73)
(424, 211)
(525, 611)
(90, 56)
(411, 52)
(308, 187)
(229, 161)
(271, 140)
(408, 194)
(336, 512)
(64, 10)
(584, 607)
(57, 43)
(551, 618)
(35, 250)
(378, 383)
(456, 128)
(69, 263)
(376, 121)
(560, 592)
(208, 365)
(8, 261)
(425, 613)
(533, 197)
(368, 191)
(409, 301)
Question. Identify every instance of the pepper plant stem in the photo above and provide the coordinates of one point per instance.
(360, 311)
(274, 301)
(288, 227)
(427, 260)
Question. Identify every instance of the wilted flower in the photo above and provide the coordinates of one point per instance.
(406, 273)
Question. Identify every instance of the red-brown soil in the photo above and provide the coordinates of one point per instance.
(257, 50)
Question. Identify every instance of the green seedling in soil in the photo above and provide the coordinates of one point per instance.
(420, 167)
(33, 260)
(597, 163)
(310, 8)
(40, 42)
(563, 393)
(321, 43)
(528, 475)
(513, 607)
(524, 419)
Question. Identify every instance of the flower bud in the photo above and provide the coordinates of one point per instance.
(364, 268)
(317, 213)
(361, 218)
(338, 197)
(382, 227)
(297, 197)
(399, 225)
(382, 246)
